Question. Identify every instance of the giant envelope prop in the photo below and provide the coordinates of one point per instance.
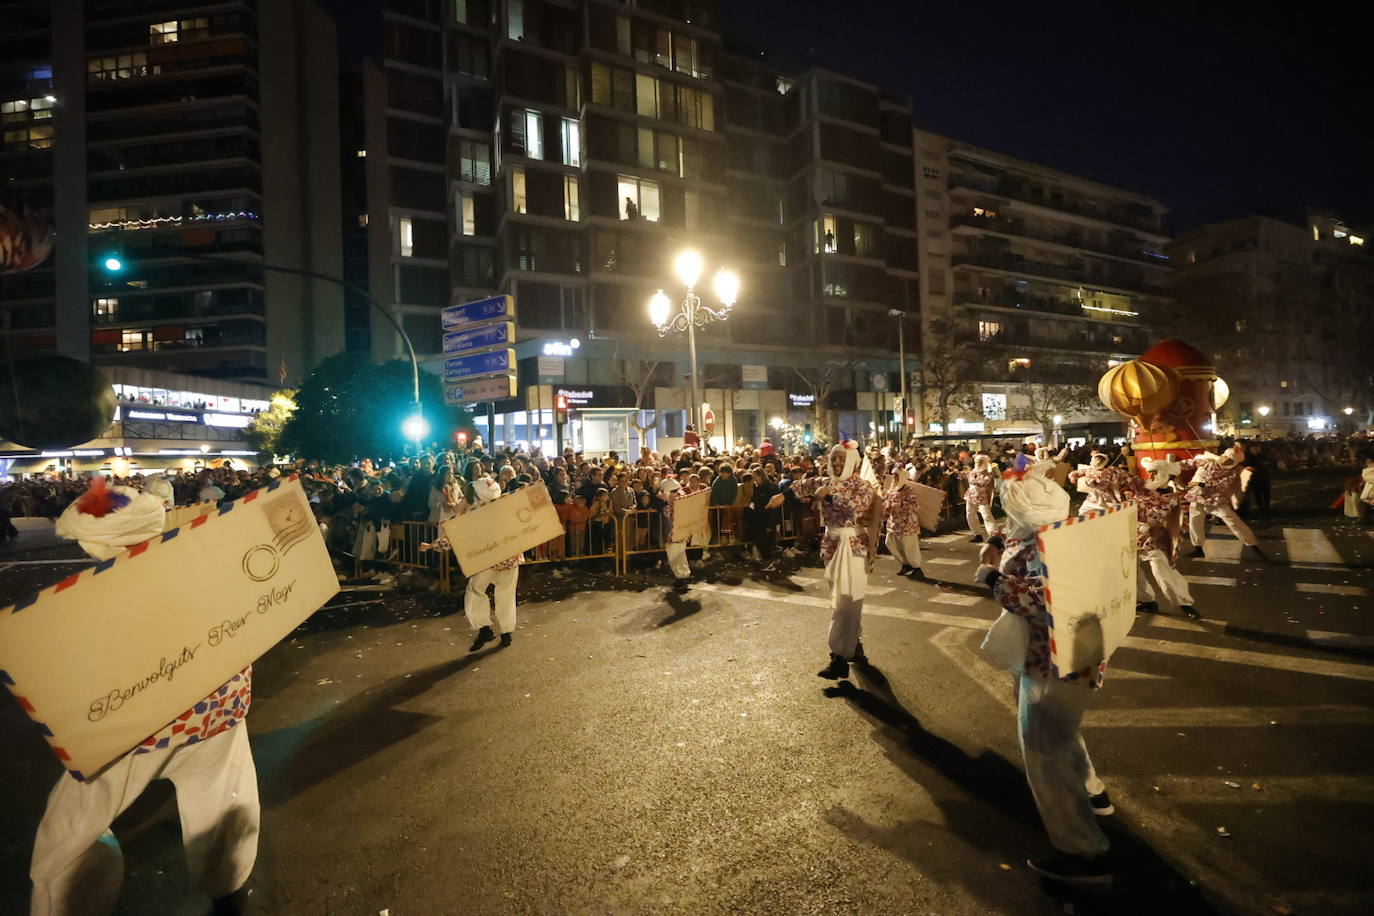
(502, 528)
(109, 656)
(929, 502)
(1090, 582)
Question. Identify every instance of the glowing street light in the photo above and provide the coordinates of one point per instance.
(113, 264)
(693, 314)
(1348, 411)
(1264, 410)
(415, 427)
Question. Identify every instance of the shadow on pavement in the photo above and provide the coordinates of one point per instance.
(291, 760)
(989, 809)
(682, 609)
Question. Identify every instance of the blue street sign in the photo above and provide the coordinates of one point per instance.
(460, 316)
(491, 335)
(461, 367)
(482, 389)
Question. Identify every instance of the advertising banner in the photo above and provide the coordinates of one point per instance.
(1089, 585)
(111, 655)
(499, 530)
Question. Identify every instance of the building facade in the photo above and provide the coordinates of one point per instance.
(565, 153)
(180, 148)
(1285, 308)
(1036, 282)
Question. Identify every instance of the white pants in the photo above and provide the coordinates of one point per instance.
(478, 608)
(77, 866)
(677, 559)
(906, 548)
(1168, 581)
(1058, 768)
(848, 577)
(1197, 524)
(979, 518)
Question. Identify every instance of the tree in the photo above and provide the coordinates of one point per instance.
(350, 407)
(822, 382)
(641, 377)
(950, 371)
(1045, 401)
(264, 432)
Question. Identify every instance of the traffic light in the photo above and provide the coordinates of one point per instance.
(560, 408)
(806, 434)
(461, 438)
(112, 263)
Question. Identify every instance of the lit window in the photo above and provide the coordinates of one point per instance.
(460, 11)
(572, 204)
(1240, 326)
(1316, 234)
(362, 219)
(120, 67)
(572, 142)
(131, 339)
(107, 309)
(988, 330)
(515, 19)
(785, 85)
(1354, 239)
(362, 154)
(638, 199)
(863, 240)
(1021, 362)
(534, 134)
(1283, 383)
(782, 253)
(162, 33)
(467, 212)
(517, 190)
(407, 237)
(826, 241)
(1192, 256)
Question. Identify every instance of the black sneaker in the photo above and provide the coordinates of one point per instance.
(1146, 607)
(1072, 869)
(1197, 552)
(505, 640)
(837, 669)
(484, 636)
(1102, 804)
(917, 575)
(859, 657)
(976, 539)
(905, 570)
(1190, 611)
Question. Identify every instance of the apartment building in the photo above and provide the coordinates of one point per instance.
(181, 148)
(1284, 306)
(566, 152)
(1036, 281)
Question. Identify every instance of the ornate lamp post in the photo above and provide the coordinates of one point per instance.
(693, 314)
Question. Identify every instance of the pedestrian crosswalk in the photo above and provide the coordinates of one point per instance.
(1308, 547)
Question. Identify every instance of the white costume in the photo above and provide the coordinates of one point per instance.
(1156, 526)
(676, 550)
(77, 866)
(1367, 492)
(978, 497)
(903, 521)
(1215, 482)
(503, 575)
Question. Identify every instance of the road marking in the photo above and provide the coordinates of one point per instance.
(1226, 716)
(943, 539)
(1325, 589)
(878, 590)
(1227, 581)
(947, 561)
(1274, 662)
(956, 598)
(1222, 548)
(1173, 623)
(1340, 640)
(1310, 546)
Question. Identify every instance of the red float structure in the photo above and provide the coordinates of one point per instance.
(1170, 395)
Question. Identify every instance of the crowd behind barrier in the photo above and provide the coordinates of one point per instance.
(379, 514)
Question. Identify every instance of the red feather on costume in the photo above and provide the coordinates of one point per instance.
(99, 501)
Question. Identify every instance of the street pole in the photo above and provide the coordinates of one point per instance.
(694, 408)
(901, 367)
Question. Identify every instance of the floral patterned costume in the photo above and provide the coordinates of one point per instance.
(847, 506)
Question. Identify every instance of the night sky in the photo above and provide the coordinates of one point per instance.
(1217, 109)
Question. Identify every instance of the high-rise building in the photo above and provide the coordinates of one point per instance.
(181, 148)
(1036, 281)
(566, 152)
(1284, 306)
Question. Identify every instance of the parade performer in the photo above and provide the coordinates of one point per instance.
(1367, 478)
(676, 550)
(1158, 528)
(903, 524)
(978, 498)
(1105, 484)
(1215, 482)
(502, 575)
(77, 865)
(1067, 790)
(852, 511)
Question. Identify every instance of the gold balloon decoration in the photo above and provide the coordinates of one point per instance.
(25, 237)
(1221, 393)
(1138, 390)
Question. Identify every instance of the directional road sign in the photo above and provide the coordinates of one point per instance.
(501, 333)
(458, 368)
(457, 317)
(482, 389)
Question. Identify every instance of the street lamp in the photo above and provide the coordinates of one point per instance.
(693, 314)
(1058, 422)
(1348, 411)
(1264, 410)
(901, 367)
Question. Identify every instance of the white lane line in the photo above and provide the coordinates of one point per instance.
(947, 561)
(1308, 545)
(1173, 623)
(956, 598)
(1340, 640)
(878, 590)
(1227, 581)
(1226, 716)
(1315, 666)
(1325, 589)
(1221, 549)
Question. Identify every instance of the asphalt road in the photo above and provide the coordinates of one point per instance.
(637, 751)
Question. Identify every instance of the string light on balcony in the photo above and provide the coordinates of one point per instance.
(1103, 308)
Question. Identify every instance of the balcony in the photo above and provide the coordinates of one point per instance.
(1013, 191)
(1016, 265)
(1068, 239)
(1082, 339)
(1047, 305)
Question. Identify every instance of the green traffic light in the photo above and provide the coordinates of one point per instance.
(113, 264)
